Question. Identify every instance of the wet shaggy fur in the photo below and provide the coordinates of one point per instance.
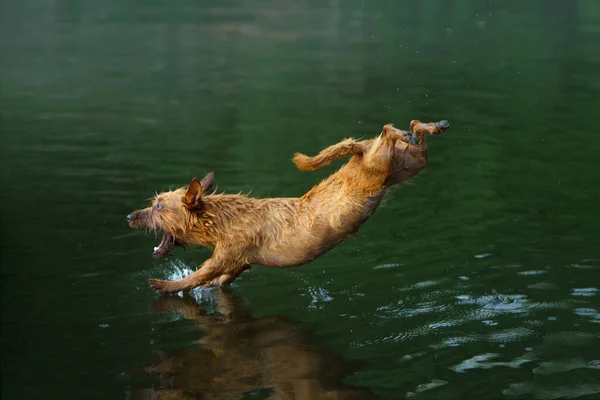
(284, 232)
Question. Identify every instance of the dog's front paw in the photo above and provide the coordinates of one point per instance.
(161, 286)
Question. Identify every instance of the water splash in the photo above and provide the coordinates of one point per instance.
(176, 270)
(318, 296)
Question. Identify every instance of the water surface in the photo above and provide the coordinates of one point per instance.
(477, 280)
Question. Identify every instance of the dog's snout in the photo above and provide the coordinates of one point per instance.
(130, 217)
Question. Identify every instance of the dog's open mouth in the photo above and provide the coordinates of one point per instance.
(167, 244)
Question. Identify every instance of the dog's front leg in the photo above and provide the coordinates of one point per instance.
(216, 271)
(206, 273)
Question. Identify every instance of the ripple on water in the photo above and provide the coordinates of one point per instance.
(497, 304)
(552, 367)
(442, 324)
(543, 286)
(454, 342)
(530, 390)
(591, 313)
(581, 266)
(483, 255)
(571, 338)
(387, 266)
(410, 357)
(401, 309)
(421, 308)
(532, 272)
(420, 285)
(584, 292)
(489, 322)
(510, 335)
(427, 386)
(483, 361)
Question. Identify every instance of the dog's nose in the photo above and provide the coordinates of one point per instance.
(130, 217)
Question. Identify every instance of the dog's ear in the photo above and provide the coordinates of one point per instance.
(191, 199)
(208, 181)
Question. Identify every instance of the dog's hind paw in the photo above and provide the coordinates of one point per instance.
(442, 124)
(431, 128)
(411, 138)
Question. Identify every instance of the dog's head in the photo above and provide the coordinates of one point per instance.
(173, 213)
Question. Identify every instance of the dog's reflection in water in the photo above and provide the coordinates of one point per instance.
(241, 357)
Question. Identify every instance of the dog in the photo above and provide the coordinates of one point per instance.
(283, 232)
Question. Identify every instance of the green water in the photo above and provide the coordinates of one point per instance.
(479, 280)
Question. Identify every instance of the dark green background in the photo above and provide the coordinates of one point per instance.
(489, 260)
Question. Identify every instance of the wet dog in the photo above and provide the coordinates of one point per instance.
(283, 232)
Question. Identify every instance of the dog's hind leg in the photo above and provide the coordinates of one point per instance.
(345, 148)
(417, 130)
(380, 157)
(432, 128)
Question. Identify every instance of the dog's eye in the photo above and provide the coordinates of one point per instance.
(159, 206)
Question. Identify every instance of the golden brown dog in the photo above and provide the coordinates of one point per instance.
(284, 232)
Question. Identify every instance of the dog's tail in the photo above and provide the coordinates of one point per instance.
(345, 148)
